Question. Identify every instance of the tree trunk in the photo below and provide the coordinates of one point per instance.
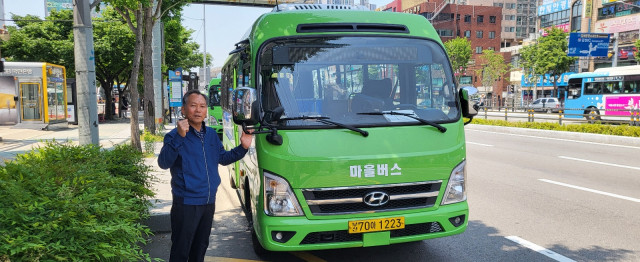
(107, 86)
(133, 83)
(147, 65)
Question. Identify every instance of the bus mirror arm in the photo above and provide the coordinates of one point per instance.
(272, 133)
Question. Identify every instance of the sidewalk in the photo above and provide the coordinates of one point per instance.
(17, 141)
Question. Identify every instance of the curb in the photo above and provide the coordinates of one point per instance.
(585, 137)
(158, 223)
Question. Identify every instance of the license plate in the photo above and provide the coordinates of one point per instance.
(373, 225)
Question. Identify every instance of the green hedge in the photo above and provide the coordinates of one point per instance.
(618, 130)
(75, 203)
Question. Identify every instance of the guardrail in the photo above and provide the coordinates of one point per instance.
(628, 117)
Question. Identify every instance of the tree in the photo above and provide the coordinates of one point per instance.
(552, 56)
(113, 44)
(528, 60)
(180, 49)
(141, 16)
(493, 67)
(459, 51)
(36, 40)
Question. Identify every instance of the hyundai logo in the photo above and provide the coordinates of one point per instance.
(376, 198)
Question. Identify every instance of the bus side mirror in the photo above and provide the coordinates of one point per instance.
(245, 111)
(469, 108)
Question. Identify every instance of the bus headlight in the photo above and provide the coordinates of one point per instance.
(279, 199)
(456, 188)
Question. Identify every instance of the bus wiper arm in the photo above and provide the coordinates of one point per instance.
(440, 128)
(326, 120)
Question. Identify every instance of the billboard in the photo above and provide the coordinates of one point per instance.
(588, 44)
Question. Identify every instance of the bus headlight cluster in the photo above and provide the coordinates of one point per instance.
(456, 188)
(279, 199)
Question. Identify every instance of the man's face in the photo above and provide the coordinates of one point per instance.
(195, 110)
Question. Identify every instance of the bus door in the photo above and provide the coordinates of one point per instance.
(30, 106)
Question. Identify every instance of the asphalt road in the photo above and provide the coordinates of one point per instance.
(531, 199)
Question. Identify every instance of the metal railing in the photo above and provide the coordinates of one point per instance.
(526, 114)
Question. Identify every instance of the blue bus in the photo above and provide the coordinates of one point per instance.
(612, 92)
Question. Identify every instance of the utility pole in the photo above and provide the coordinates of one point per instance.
(204, 30)
(85, 73)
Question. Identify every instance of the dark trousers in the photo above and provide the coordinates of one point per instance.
(190, 230)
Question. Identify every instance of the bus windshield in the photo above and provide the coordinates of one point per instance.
(343, 77)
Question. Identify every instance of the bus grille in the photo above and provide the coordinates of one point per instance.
(344, 236)
(350, 200)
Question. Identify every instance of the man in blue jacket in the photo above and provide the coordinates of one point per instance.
(192, 151)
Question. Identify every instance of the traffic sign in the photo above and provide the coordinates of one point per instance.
(588, 44)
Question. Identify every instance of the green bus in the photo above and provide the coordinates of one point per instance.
(215, 111)
(359, 129)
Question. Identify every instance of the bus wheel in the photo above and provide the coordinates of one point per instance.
(592, 115)
(257, 247)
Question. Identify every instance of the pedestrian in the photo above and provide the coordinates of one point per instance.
(113, 106)
(124, 107)
(192, 151)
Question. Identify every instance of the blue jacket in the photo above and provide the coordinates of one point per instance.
(194, 164)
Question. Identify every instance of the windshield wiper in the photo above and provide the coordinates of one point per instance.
(440, 128)
(324, 119)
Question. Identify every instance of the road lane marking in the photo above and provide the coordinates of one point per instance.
(478, 144)
(553, 255)
(600, 163)
(553, 138)
(591, 190)
(306, 256)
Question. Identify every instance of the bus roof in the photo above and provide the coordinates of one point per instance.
(609, 71)
(332, 21)
(214, 81)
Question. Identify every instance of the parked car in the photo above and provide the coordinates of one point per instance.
(548, 104)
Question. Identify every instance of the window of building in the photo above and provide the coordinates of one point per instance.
(491, 48)
(478, 34)
(509, 29)
(467, 18)
(576, 16)
(478, 49)
(467, 33)
(480, 19)
(498, 4)
(492, 34)
(511, 5)
(445, 32)
(492, 19)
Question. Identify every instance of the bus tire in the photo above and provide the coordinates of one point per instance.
(592, 115)
(257, 247)
(255, 243)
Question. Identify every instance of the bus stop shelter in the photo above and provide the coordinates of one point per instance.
(33, 95)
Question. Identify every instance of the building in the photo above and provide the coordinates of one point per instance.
(621, 20)
(482, 25)
(518, 18)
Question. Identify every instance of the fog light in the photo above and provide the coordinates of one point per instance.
(282, 236)
(457, 221)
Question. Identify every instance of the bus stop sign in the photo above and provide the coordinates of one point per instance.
(588, 44)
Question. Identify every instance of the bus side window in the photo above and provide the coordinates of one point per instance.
(627, 88)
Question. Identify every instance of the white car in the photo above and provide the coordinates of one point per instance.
(548, 104)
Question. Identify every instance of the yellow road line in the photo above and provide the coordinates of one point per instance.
(307, 257)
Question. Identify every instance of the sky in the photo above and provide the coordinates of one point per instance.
(225, 25)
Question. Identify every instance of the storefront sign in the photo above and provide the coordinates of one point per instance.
(554, 7)
(620, 24)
